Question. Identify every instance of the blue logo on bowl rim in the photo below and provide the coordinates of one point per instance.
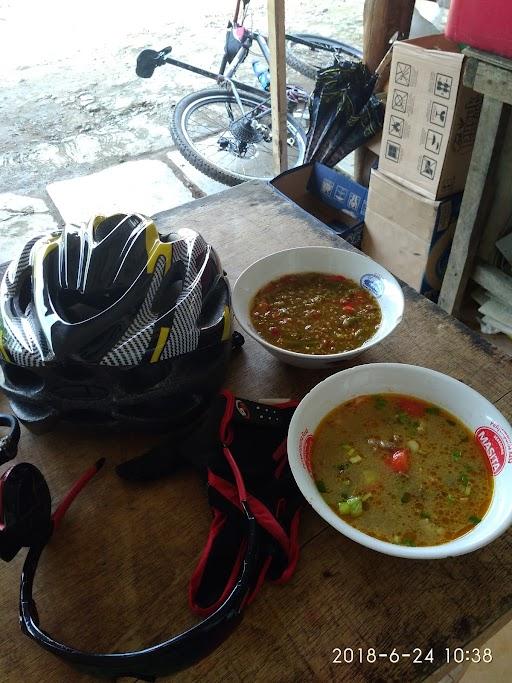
(373, 283)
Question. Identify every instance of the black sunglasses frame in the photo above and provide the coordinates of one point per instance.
(9, 442)
(171, 656)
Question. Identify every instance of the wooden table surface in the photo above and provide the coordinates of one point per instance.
(115, 575)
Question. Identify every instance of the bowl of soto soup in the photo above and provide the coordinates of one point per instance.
(404, 460)
(317, 306)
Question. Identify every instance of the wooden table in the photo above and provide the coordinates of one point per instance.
(115, 575)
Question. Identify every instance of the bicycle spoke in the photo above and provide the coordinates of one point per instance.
(208, 118)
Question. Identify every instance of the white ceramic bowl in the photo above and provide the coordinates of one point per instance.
(329, 260)
(477, 413)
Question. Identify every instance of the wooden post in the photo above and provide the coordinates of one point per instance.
(470, 222)
(276, 31)
(381, 20)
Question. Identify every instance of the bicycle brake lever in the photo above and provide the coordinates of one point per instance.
(148, 60)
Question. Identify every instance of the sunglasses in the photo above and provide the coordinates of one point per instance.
(26, 520)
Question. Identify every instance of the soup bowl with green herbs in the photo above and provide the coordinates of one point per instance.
(404, 460)
(317, 306)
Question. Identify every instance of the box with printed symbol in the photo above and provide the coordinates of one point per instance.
(429, 114)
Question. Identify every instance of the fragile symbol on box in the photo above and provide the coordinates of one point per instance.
(393, 151)
(354, 202)
(428, 167)
(399, 101)
(403, 74)
(438, 114)
(340, 194)
(396, 126)
(433, 141)
(444, 86)
(327, 186)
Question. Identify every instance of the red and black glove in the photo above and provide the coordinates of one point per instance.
(254, 436)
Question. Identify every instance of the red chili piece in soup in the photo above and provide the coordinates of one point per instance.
(315, 313)
(401, 470)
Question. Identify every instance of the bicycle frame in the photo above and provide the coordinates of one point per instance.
(227, 78)
(245, 45)
(240, 57)
(220, 78)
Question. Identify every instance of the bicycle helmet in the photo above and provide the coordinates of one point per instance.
(113, 323)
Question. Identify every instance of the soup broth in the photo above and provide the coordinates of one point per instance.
(315, 313)
(401, 470)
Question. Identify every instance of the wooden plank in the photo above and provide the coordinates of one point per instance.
(116, 573)
(279, 102)
(494, 281)
(490, 58)
(469, 224)
(470, 69)
(492, 81)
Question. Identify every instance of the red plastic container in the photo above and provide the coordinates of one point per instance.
(484, 24)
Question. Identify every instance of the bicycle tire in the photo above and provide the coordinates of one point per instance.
(308, 69)
(184, 143)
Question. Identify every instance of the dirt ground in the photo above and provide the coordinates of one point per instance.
(71, 102)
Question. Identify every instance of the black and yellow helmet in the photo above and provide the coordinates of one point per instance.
(113, 322)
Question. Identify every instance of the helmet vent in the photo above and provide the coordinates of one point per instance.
(20, 303)
(108, 225)
(213, 305)
(167, 297)
(170, 289)
(101, 344)
(25, 295)
(76, 307)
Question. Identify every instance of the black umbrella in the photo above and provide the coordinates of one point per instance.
(343, 112)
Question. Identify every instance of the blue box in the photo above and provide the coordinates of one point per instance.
(332, 197)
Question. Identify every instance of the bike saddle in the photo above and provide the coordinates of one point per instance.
(148, 60)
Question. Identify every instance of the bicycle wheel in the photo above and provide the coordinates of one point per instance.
(307, 60)
(212, 134)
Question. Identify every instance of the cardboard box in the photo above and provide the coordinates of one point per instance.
(409, 234)
(431, 118)
(332, 197)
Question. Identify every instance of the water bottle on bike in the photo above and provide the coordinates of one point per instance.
(262, 73)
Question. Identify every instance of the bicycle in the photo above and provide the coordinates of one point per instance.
(226, 132)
